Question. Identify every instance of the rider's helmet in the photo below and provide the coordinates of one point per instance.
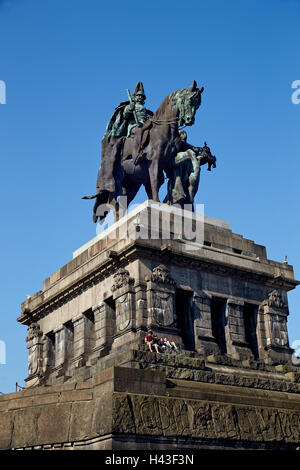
(139, 91)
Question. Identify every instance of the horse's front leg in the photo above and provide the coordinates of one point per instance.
(153, 176)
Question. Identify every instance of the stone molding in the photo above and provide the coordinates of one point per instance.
(132, 251)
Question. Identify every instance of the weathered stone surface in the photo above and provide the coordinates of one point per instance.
(173, 417)
(6, 424)
(25, 428)
(54, 422)
(122, 418)
(76, 395)
(102, 417)
(81, 422)
(194, 411)
(157, 287)
(133, 380)
(94, 384)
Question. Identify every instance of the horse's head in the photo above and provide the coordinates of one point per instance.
(187, 101)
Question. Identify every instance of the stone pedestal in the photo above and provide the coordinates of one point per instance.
(131, 409)
(222, 296)
(221, 300)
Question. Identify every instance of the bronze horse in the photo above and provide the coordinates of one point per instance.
(151, 150)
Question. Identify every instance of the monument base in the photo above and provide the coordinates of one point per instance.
(93, 383)
(175, 401)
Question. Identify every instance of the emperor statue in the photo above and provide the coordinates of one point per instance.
(122, 124)
(141, 148)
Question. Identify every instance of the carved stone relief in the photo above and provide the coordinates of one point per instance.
(161, 297)
(274, 300)
(161, 274)
(163, 308)
(123, 312)
(34, 344)
(121, 279)
(275, 316)
(200, 419)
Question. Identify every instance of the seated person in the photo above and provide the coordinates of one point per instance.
(152, 340)
(167, 344)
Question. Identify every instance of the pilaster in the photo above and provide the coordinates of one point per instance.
(35, 353)
(105, 318)
(205, 342)
(275, 313)
(237, 346)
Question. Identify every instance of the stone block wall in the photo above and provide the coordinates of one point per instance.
(196, 320)
(222, 297)
(123, 408)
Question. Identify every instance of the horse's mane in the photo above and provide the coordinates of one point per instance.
(167, 102)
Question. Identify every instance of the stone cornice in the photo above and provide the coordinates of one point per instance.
(136, 250)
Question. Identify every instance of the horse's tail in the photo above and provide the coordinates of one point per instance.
(102, 199)
(90, 197)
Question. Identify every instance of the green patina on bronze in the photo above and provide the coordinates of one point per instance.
(140, 147)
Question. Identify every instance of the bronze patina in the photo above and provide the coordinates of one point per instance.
(140, 147)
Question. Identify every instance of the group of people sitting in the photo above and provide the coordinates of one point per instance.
(163, 343)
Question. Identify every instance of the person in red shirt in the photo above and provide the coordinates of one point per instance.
(151, 341)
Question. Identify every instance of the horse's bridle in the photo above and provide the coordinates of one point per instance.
(159, 122)
(174, 120)
(165, 121)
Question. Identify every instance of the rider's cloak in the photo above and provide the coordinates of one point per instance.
(112, 149)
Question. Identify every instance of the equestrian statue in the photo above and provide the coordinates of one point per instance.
(140, 147)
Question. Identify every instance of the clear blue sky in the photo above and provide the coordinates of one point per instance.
(67, 64)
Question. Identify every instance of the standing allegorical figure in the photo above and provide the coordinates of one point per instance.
(184, 174)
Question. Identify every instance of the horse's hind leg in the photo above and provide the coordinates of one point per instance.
(100, 205)
(114, 205)
(154, 183)
(148, 189)
(128, 194)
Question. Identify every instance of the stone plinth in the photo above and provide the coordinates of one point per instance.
(187, 277)
(128, 408)
(210, 294)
